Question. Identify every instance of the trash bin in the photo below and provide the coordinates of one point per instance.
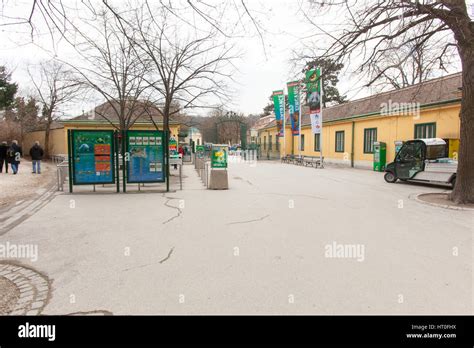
(380, 156)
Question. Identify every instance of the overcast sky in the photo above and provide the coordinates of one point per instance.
(264, 67)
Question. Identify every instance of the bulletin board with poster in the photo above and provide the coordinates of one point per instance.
(219, 156)
(92, 153)
(146, 156)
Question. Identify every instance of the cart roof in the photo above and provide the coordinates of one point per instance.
(433, 141)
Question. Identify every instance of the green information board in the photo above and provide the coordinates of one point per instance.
(200, 151)
(92, 153)
(219, 156)
(146, 156)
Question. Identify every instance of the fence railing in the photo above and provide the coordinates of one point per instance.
(62, 172)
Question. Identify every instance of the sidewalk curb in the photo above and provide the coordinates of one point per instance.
(416, 197)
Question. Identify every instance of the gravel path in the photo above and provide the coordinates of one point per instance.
(25, 185)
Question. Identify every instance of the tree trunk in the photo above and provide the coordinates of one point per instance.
(464, 189)
(46, 140)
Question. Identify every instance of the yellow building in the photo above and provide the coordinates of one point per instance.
(102, 117)
(426, 110)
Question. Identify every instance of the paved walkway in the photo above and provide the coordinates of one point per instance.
(260, 247)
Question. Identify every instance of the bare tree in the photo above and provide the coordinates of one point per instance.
(19, 119)
(110, 68)
(55, 86)
(412, 62)
(182, 71)
(372, 29)
(57, 14)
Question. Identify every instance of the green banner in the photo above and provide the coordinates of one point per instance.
(313, 99)
(294, 105)
(279, 108)
(219, 156)
(313, 90)
(200, 151)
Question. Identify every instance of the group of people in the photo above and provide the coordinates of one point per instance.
(11, 154)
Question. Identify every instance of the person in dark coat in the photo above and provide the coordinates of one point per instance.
(36, 153)
(14, 154)
(3, 156)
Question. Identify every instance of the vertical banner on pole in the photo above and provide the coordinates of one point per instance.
(294, 106)
(279, 107)
(313, 99)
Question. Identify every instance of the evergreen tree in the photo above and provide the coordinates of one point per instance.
(7, 89)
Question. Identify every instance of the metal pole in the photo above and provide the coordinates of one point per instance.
(117, 164)
(70, 159)
(167, 160)
(321, 111)
(124, 163)
(180, 176)
(284, 124)
(299, 119)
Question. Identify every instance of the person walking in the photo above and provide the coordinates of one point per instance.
(3, 156)
(14, 154)
(36, 153)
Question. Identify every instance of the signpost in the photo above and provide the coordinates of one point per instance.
(219, 156)
(93, 157)
(200, 151)
(146, 156)
(173, 146)
(91, 154)
(218, 178)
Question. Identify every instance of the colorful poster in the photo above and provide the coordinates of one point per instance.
(294, 106)
(219, 156)
(313, 98)
(279, 107)
(200, 151)
(92, 157)
(173, 148)
(146, 156)
(316, 124)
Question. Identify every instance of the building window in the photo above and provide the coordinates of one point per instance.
(302, 142)
(425, 130)
(370, 136)
(264, 143)
(198, 142)
(270, 142)
(277, 143)
(340, 141)
(317, 142)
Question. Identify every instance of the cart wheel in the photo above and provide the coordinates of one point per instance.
(390, 177)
